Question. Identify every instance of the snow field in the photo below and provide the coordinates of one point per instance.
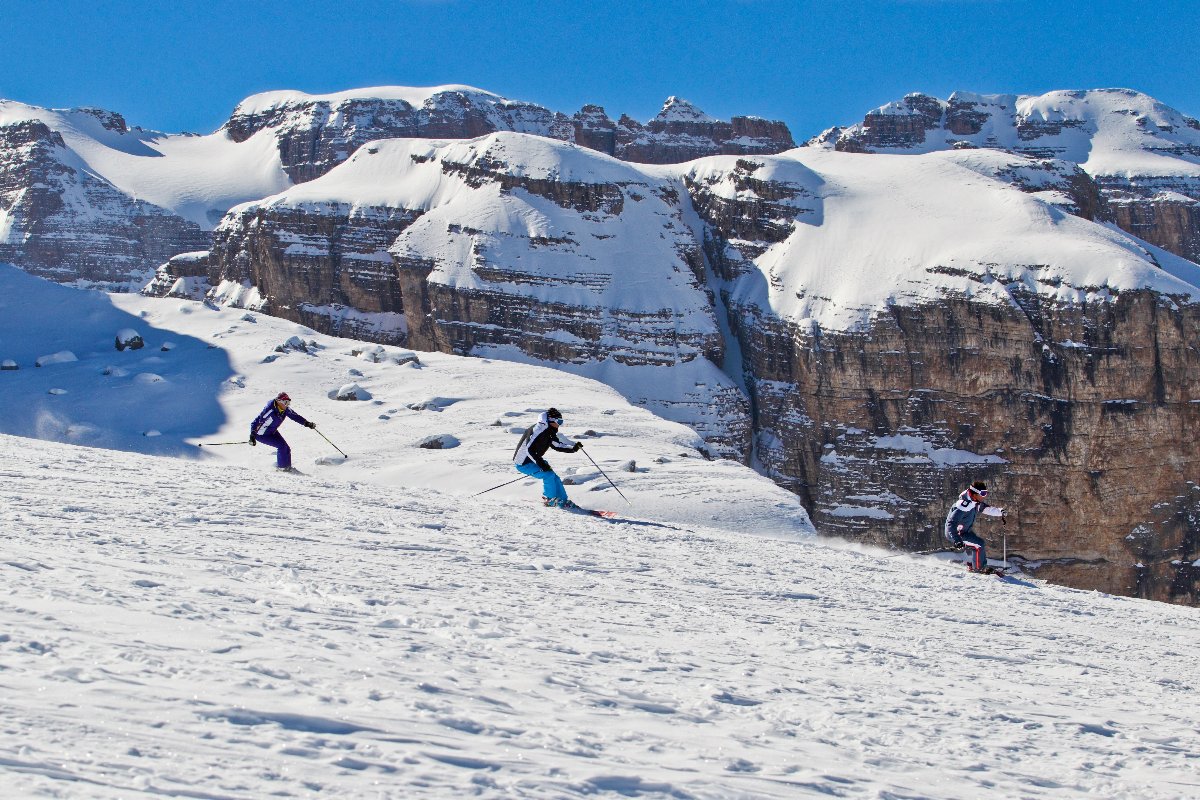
(207, 630)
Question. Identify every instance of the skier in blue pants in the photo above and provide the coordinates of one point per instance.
(265, 429)
(528, 458)
(961, 520)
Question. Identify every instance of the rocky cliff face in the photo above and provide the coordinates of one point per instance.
(61, 221)
(509, 245)
(1080, 418)
(327, 269)
(1079, 412)
(681, 132)
(1143, 156)
(184, 276)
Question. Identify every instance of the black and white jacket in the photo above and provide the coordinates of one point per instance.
(963, 512)
(536, 440)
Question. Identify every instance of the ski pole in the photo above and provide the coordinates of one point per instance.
(335, 447)
(485, 491)
(219, 444)
(918, 553)
(602, 472)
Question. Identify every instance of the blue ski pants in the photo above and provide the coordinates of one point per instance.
(552, 485)
(283, 453)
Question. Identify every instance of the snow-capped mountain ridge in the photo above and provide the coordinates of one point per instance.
(195, 177)
(275, 139)
(1144, 155)
(415, 96)
(676, 109)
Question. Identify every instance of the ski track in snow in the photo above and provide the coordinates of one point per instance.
(207, 631)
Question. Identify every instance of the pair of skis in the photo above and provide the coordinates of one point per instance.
(999, 573)
(581, 510)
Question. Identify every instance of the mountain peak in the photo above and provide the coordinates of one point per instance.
(676, 109)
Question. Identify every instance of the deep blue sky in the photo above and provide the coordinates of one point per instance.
(184, 65)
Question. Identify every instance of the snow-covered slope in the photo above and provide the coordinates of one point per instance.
(209, 630)
(195, 177)
(1107, 131)
(869, 232)
(1143, 155)
(205, 373)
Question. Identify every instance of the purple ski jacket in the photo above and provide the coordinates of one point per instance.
(271, 418)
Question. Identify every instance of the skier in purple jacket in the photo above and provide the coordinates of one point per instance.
(265, 429)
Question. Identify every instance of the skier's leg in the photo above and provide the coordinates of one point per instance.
(283, 453)
(978, 550)
(552, 487)
(534, 471)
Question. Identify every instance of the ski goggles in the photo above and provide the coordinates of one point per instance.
(980, 492)
(555, 420)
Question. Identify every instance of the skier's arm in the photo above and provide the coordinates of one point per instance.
(300, 419)
(562, 444)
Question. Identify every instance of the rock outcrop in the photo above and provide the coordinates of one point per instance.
(681, 132)
(61, 221)
(184, 276)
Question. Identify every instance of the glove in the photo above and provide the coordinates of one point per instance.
(578, 446)
(958, 543)
(253, 440)
(310, 424)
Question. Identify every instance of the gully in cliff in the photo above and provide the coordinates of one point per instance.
(265, 429)
(528, 457)
(961, 520)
